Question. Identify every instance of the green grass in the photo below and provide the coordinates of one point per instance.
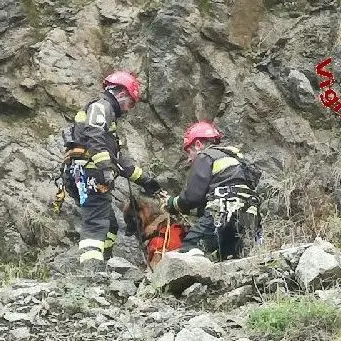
(31, 10)
(11, 271)
(205, 7)
(287, 317)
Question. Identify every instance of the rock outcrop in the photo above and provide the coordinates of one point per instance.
(178, 301)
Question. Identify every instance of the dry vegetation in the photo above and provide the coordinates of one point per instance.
(301, 204)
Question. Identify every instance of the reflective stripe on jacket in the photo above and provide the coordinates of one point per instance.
(212, 168)
(95, 129)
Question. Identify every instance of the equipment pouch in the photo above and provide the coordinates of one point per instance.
(80, 182)
(68, 137)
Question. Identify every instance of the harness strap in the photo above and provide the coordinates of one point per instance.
(79, 153)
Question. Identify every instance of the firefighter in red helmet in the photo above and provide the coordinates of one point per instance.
(93, 160)
(222, 187)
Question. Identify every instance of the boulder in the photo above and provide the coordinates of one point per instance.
(317, 266)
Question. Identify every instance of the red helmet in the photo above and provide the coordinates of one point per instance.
(127, 80)
(201, 129)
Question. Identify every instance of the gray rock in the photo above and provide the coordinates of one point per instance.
(21, 333)
(293, 254)
(13, 316)
(207, 323)
(26, 288)
(120, 265)
(179, 271)
(14, 99)
(29, 83)
(104, 327)
(195, 290)
(132, 330)
(326, 246)
(194, 334)
(236, 297)
(167, 337)
(95, 293)
(13, 244)
(101, 301)
(302, 92)
(11, 15)
(294, 130)
(124, 288)
(125, 268)
(331, 296)
(317, 266)
(66, 262)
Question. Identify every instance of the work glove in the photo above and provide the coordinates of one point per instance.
(109, 177)
(151, 186)
(168, 205)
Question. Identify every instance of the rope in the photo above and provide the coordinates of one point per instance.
(167, 237)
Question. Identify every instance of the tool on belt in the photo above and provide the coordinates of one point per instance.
(79, 175)
(57, 203)
(76, 158)
(228, 200)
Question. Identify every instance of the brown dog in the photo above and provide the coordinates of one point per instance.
(145, 220)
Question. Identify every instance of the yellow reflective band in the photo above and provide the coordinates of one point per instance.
(90, 165)
(175, 203)
(80, 116)
(102, 156)
(99, 244)
(242, 186)
(112, 127)
(136, 174)
(252, 210)
(224, 163)
(235, 151)
(93, 254)
(108, 243)
(111, 236)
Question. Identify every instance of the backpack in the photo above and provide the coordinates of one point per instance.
(251, 171)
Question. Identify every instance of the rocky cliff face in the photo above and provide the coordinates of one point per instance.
(248, 64)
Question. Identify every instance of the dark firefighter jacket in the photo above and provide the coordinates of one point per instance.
(212, 168)
(95, 128)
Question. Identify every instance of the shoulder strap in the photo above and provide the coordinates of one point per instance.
(86, 107)
(215, 152)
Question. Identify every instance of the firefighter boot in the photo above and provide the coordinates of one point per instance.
(108, 245)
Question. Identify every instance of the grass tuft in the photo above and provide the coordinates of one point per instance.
(288, 316)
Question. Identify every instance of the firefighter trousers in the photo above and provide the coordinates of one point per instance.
(236, 238)
(99, 224)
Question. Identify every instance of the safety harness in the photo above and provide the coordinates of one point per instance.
(229, 199)
(76, 158)
(237, 197)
